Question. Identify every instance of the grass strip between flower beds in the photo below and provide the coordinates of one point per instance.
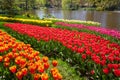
(97, 64)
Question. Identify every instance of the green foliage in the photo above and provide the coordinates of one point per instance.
(67, 71)
(43, 2)
(104, 4)
(70, 4)
(9, 7)
(66, 4)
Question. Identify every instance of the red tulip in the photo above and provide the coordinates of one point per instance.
(46, 65)
(92, 72)
(117, 72)
(115, 66)
(84, 56)
(106, 70)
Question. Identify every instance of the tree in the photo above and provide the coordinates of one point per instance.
(70, 4)
(104, 4)
(66, 4)
(9, 7)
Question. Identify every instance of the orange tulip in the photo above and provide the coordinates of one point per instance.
(44, 76)
(32, 68)
(59, 76)
(25, 48)
(54, 70)
(54, 63)
(45, 59)
(15, 55)
(17, 60)
(1, 58)
(55, 73)
(41, 69)
(21, 53)
(38, 63)
(19, 48)
(10, 55)
(6, 59)
(14, 50)
(37, 58)
(12, 69)
(24, 71)
(28, 45)
(22, 61)
(6, 47)
(30, 56)
(6, 64)
(36, 76)
(19, 75)
(55, 76)
(10, 45)
(36, 53)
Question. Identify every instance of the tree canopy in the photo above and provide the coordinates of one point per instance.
(105, 4)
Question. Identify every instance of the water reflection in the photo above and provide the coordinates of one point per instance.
(109, 19)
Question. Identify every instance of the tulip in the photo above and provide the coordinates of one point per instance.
(36, 76)
(32, 68)
(24, 71)
(10, 55)
(54, 63)
(92, 72)
(106, 70)
(1, 58)
(41, 69)
(117, 72)
(110, 32)
(19, 75)
(46, 65)
(115, 66)
(6, 64)
(6, 59)
(101, 52)
(83, 56)
(13, 69)
(45, 59)
(44, 76)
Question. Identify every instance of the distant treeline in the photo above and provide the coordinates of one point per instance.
(12, 5)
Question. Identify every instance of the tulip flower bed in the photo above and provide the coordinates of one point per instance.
(109, 32)
(92, 54)
(18, 61)
(88, 23)
(28, 21)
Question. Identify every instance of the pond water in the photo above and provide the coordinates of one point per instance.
(108, 19)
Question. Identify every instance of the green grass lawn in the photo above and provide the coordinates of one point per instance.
(1, 26)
